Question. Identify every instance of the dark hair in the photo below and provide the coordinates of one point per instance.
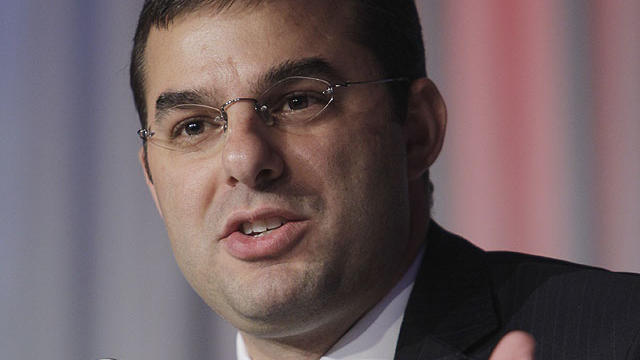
(389, 29)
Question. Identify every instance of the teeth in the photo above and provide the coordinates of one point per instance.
(260, 226)
(274, 223)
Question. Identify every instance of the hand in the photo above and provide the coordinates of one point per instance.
(516, 345)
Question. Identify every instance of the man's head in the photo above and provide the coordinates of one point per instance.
(389, 29)
(348, 188)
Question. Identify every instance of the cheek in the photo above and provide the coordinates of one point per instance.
(361, 158)
(184, 190)
(351, 166)
(321, 163)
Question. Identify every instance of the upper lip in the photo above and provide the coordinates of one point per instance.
(236, 219)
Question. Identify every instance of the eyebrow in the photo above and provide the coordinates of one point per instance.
(170, 99)
(313, 66)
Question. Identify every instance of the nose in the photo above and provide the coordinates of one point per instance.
(249, 156)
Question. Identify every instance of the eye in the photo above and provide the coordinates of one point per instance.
(297, 102)
(189, 127)
(196, 127)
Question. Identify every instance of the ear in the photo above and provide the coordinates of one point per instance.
(142, 158)
(424, 127)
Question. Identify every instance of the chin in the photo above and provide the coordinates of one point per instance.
(276, 297)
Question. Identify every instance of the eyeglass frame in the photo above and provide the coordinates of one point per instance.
(145, 133)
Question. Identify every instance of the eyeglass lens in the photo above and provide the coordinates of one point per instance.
(291, 102)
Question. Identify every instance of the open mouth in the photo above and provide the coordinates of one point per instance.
(263, 234)
(258, 228)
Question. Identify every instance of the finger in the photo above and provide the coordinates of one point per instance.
(516, 345)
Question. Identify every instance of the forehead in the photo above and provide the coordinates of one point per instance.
(225, 51)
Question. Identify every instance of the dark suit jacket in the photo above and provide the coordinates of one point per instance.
(465, 299)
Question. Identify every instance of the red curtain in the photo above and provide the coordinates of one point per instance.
(542, 153)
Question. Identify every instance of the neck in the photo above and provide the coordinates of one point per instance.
(303, 347)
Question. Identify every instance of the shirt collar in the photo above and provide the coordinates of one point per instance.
(375, 335)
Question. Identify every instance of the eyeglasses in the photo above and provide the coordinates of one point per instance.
(289, 103)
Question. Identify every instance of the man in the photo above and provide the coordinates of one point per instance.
(287, 147)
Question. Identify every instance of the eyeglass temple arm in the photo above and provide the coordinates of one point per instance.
(371, 82)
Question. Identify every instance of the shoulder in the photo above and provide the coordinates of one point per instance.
(465, 299)
(525, 273)
(569, 308)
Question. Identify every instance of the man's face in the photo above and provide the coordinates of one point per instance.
(340, 186)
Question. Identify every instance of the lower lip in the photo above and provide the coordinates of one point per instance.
(269, 245)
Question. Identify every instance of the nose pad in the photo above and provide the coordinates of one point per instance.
(250, 156)
(260, 109)
(264, 113)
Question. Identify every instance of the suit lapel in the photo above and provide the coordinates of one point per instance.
(451, 306)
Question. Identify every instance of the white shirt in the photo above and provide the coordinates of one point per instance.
(375, 335)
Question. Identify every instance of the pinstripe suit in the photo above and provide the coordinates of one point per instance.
(464, 300)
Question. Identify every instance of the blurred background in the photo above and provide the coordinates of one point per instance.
(541, 156)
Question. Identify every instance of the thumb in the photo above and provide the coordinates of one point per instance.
(516, 345)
